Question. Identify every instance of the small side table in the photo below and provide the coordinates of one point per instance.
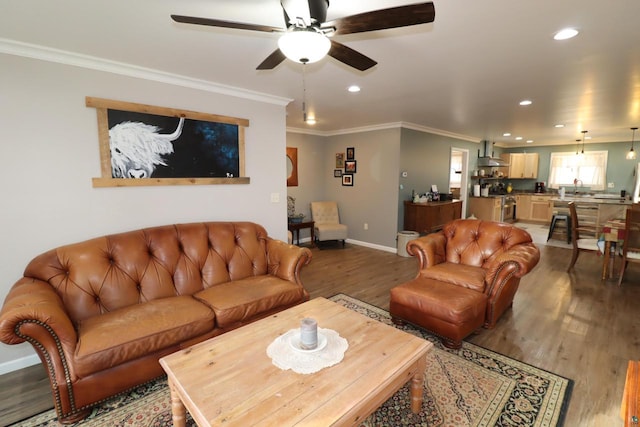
(295, 227)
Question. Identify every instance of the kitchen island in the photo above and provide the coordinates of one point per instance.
(593, 210)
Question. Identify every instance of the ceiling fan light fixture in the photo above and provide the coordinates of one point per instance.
(304, 46)
(631, 155)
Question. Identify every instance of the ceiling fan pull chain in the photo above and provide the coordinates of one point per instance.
(304, 93)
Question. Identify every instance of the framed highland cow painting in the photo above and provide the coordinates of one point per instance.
(148, 145)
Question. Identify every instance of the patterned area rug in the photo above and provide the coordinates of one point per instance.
(467, 387)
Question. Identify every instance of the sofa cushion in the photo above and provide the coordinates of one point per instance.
(116, 337)
(240, 300)
(466, 276)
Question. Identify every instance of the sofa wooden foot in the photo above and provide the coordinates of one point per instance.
(449, 343)
(78, 416)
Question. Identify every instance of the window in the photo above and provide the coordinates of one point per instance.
(589, 169)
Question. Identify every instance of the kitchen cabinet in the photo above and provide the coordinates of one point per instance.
(541, 208)
(522, 165)
(486, 208)
(534, 207)
(431, 216)
(523, 207)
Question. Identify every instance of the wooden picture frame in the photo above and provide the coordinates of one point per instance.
(347, 180)
(173, 147)
(350, 166)
(351, 153)
(339, 160)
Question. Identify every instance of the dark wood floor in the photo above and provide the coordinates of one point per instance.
(571, 324)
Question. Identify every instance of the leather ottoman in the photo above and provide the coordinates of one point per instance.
(452, 312)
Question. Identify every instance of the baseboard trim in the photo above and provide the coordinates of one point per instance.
(21, 363)
(373, 246)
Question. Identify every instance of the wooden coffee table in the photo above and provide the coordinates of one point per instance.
(229, 380)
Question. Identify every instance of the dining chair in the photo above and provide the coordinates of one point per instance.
(579, 243)
(631, 244)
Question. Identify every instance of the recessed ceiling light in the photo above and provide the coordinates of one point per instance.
(565, 33)
(526, 102)
(559, 125)
(529, 141)
(354, 88)
(506, 134)
(518, 138)
(311, 121)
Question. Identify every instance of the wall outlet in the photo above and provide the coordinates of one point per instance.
(611, 185)
(366, 226)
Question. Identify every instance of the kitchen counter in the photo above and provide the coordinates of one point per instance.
(594, 199)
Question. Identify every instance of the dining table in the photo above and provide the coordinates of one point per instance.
(610, 241)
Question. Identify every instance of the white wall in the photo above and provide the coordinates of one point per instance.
(49, 148)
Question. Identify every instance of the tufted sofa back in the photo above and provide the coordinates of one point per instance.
(477, 242)
(119, 270)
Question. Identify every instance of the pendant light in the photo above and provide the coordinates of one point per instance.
(584, 132)
(631, 155)
(577, 147)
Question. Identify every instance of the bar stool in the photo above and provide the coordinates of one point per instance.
(563, 217)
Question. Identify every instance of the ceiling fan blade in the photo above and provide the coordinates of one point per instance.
(296, 9)
(272, 60)
(350, 57)
(401, 16)
(225, 24)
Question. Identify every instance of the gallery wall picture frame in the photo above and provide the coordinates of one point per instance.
(337, 173)
(350, 166)
(339, 160)
(146, 145)
(351, 153)
(347, 180)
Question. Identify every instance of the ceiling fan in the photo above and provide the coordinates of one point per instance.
(306, 36)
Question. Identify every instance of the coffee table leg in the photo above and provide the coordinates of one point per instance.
(417, 385)
(178, 411)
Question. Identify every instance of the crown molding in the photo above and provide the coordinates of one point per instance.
(384, 126)
(43, 53)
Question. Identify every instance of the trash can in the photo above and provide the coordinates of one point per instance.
(404, 237)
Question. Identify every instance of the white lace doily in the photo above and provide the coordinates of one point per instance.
(285, 353)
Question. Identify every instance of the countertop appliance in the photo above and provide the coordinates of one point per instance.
(540, 187)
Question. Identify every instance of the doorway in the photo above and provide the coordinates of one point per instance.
(459, 176)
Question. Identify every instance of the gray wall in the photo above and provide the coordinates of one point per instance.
(379, 190)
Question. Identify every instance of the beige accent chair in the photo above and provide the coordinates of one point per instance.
(327, 222)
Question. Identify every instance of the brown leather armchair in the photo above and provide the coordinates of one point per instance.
(469, 274)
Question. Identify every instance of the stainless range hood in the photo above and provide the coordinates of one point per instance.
(490, 161)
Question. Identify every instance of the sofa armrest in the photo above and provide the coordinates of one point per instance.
(517, 261)
(429, 249)
(32, 300)
(34, 312)
(286, 261)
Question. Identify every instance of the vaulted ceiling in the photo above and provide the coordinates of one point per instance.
(462, 75)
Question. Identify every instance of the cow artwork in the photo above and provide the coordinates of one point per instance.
(137, 148)
(145, 145)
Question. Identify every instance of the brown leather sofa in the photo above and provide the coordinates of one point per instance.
(468, 276)
(100, 313)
